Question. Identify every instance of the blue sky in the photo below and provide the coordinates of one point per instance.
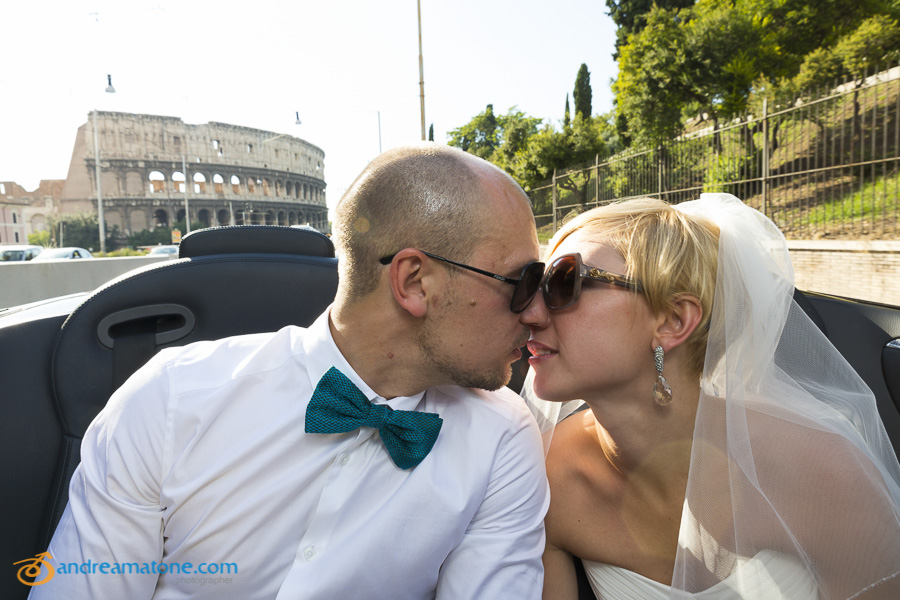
(339, 63)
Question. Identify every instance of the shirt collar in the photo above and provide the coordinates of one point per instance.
(322, 353)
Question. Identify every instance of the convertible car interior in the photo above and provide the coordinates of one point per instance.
(59, 367)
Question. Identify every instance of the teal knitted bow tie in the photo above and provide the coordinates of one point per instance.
(338, 406)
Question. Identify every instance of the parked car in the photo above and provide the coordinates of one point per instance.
(19, 253)
(63, 253)
(63, 358)
(168, 250)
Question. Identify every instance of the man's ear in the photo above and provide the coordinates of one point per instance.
(678, 322)
(407, 281)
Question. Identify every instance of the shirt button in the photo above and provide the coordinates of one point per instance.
(309, 552)
(345, 459)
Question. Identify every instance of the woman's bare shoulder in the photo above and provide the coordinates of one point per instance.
(574, 445)
(581, 479)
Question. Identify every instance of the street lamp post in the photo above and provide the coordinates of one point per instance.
(379, 131)
(100, 222)
(281, 135)
(187, 213)
(421, 71)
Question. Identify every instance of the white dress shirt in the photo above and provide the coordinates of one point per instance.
(201, 457)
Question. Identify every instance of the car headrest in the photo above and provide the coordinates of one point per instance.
(255, 239)
(121, 325)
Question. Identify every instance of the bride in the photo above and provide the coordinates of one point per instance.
(728, 450)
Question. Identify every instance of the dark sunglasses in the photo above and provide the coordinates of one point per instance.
(561, 285)
(526, 286)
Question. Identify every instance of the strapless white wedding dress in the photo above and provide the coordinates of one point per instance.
(769, 575)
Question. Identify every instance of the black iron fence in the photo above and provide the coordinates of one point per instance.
(822, 169)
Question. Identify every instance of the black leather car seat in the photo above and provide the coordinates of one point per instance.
(226, 281)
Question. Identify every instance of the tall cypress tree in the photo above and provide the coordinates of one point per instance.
(567, 120)
(582, 93)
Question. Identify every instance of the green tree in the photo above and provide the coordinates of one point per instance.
(530, 153)
(710, 58)
(582, 93)
(501, 140)
(431, 132)
(552, 150)
(159, 235)
(606, 125)
(798, 27)
(515, 131)
(630, 16)
(873, 44)
(567, 119)
(146, 237)
(653, 83)
(39, 238)
(81, 230)
(478, 136)
(876, 42)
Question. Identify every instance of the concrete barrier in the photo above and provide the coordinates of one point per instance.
(854, 269)
(862, 270)
(23, 282)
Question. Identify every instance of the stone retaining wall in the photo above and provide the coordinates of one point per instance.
(861, 270)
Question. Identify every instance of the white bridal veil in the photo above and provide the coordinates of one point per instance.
(789, 454)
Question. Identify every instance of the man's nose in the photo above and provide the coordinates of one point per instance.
(537, 315)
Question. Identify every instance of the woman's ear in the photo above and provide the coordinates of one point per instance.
(678, 322)
(407, 275)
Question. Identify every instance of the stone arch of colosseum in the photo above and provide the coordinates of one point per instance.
(154, 169)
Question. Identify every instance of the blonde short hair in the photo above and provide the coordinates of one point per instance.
(669, 252)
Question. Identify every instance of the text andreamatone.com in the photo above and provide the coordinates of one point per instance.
(158, 568)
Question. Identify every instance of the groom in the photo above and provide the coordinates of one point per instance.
(358, 458)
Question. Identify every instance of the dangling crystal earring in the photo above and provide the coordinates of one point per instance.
(662, 391)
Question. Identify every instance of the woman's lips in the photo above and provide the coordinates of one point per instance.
(539, 352)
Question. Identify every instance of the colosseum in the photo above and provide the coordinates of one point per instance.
(156, 169)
